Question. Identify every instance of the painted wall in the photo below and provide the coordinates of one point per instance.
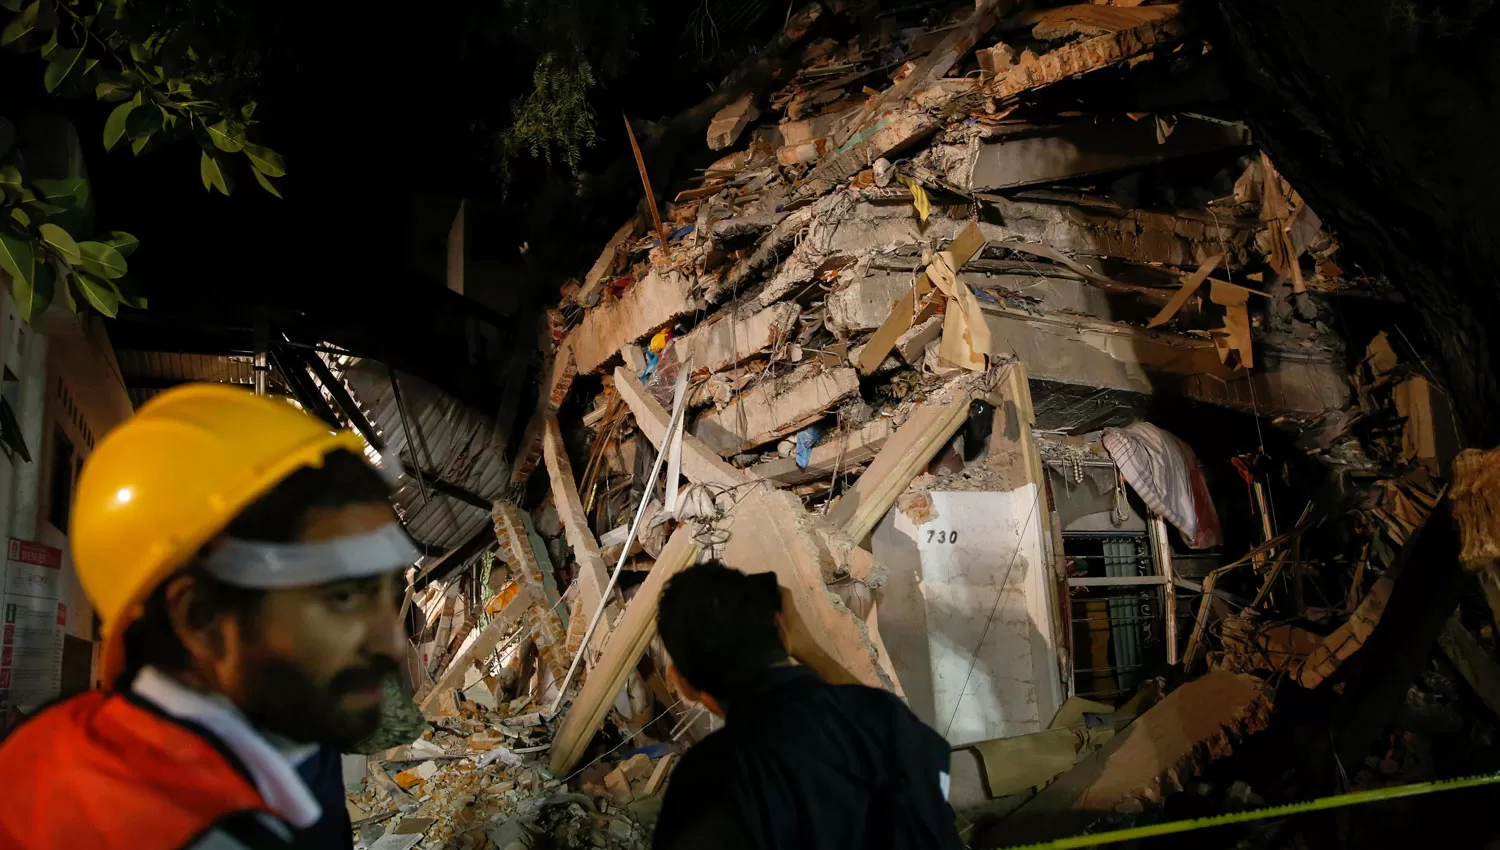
(966, 612)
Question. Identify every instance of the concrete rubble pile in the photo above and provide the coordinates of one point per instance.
(956, 248)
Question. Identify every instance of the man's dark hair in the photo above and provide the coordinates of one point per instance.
(277, 517)
(719, 626)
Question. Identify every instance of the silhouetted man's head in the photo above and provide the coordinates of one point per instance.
(722, 629)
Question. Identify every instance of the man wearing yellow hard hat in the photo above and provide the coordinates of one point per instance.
(244, 562)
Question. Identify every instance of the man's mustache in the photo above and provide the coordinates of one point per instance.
(371, 675)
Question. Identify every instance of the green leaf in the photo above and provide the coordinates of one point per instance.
(69, 192)
(121, 241)
(139, 52)
(69, 281)
(116, 125)
(265, 183)
(224, 138)
(113, 90)
(143, 122)
(35, 293)
(13, 5)
(20, 216)
(101, 260)
(10, 180)
(62, 243)
(100, 294)
(7, 136)
(50, 47)
(212, 172)
(17, 257)
(138, 145)
(20, 25)
(265, 160)
(62, 63)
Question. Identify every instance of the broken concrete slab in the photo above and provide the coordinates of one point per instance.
(730, 340)
(593, 577)
(731, 121)
(649, 304)
(776, 407)
(840, 451)
(1073, 60)
(598, 275)
(1095, 147)
(1073, 350)
(768, 529)
(1194, 725)
(483, 643)
(918, 441)
(700, 464)
(516, 550)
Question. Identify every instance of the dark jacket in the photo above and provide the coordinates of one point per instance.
(804, 764)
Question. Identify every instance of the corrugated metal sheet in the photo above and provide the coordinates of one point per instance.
(169, 366)
(455, 442)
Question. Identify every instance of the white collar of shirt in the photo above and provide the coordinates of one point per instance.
(272, 766)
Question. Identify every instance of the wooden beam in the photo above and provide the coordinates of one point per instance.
(622, 651)
(700, 464)
(593, 577)
(903, 457)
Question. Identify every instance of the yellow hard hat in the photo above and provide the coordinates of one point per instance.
(169, 480)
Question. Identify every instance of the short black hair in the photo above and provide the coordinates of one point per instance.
(719, 626)
(277, 517)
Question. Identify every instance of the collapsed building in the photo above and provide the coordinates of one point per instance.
(1057, 410)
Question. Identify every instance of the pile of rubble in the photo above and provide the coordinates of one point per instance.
(953, 252)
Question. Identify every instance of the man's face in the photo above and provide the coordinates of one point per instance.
(311, 663)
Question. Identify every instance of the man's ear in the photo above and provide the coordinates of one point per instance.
(204, 634)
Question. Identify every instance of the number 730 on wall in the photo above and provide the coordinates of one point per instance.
(935, 536)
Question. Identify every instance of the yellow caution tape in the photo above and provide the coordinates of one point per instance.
(1337, 801)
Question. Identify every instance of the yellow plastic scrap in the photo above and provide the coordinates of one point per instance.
(919, 198)
(660, 341)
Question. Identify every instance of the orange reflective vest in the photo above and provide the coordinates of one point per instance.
(103, 772)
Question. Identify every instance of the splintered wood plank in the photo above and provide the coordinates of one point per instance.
(622, 651)
(646, 306)
(775, 408)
